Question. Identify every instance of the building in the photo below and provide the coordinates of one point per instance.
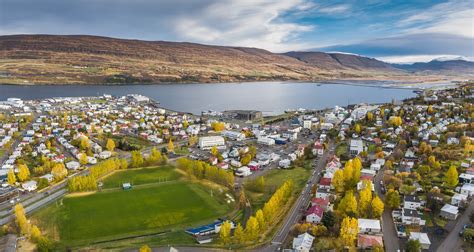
(73, 165)
(449, 212)
(369, 226)
(411, 217)
(422, 238)
(465, 178)
(307, 124)
(303, 242)
(206, 143)
(314, 214)
(247, 115)
(369, 241)
(467, 189)
(233, 135)
(458, 199)
(30, 185)
(411, 202)
(266, 141)
(356, 147)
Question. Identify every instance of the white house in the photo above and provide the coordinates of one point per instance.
(356, 147)
(457, 199)
(411, 202)
(303, 242)
(411, 217)
(467, 189)
(422, 238)
(105, 154)
(73, 165)
(449, 212)
(30, 185)
(369, 226)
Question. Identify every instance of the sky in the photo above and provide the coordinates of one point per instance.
(394, 31)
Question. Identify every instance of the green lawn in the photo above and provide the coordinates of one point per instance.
(141, 176)
(79, 220)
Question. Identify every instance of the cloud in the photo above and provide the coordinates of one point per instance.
(334, 9)
(245, 23)
(452, 17)
(408, 59)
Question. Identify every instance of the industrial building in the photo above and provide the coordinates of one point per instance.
(206, 143)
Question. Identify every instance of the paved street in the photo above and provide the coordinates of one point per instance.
(390, 237)
(453, 242)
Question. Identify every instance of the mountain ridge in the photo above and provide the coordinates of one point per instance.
(87, 59)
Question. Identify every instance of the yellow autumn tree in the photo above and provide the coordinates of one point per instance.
(21, 220)
(224, 232)
(23, 172)
(59, 171)
(451, 177)
(171, 146)
(239, 236)
(338, 181)
(110, 145)
(348, 204)
(365, 198)
(145, 248)
(11, 178)
(377, 207)
(349, 231)
(260, 219)
(252, 229)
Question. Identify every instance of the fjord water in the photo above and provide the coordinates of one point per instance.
(269, 97)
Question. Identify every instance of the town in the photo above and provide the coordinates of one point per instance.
(124, 173)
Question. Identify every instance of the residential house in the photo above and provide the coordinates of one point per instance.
(458, 199)
(449, 212)
(369, 241)
(303, 242)
(323, 203)
(30, 185)
(369, 226)
(356, 147)
(314, 214)
(411, 202)
(465, 178)
(411, 217)
(467, 189)
(323, 193)
(422, 238)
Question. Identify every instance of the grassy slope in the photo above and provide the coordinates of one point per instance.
(107, 215)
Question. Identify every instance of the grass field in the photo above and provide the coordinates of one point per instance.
(175, 205)
(141, 176)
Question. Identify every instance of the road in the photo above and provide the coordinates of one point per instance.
(453, 242)
(302, 202)
(390, 238)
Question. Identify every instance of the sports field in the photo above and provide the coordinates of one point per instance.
(111, 214)
(141, 176)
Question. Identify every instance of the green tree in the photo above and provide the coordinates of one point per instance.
(392, 199)
(413, 246)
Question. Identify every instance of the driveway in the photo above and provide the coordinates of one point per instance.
(453, 242)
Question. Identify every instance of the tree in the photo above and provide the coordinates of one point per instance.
(349, 231)
(145, 248)
(395, 121)
(85, 144)
(11, 178)
(260, 219)
(170, 146)
(365, 198)
(329, 219)
(430, 109)
(413, 246)
(83, 159)
(242, 199)
(21, 220)
(338, 181)
(23, 172)
(239, 234)
(377, 207)
(452, 177)
(123, 164)
(137, 159)
(110, 145)
(348, 204)
(357, 128)
(59, 171)
(35, 233)
(252, 229)
(218, 126)
(348, 173)
(370, 116)
(245, 160)
(392, 199)
(224, 232)
(214, 151)
(389, 164)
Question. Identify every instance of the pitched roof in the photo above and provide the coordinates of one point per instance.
(315, 210)
(320, 201)
(325, 181)
(369, 241)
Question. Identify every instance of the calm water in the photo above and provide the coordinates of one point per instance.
(269, 97)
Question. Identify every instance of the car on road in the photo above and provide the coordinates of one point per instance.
(466, 226)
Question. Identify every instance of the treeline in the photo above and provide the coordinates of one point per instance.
(264, 218)
(89, 182)
(203, 170)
